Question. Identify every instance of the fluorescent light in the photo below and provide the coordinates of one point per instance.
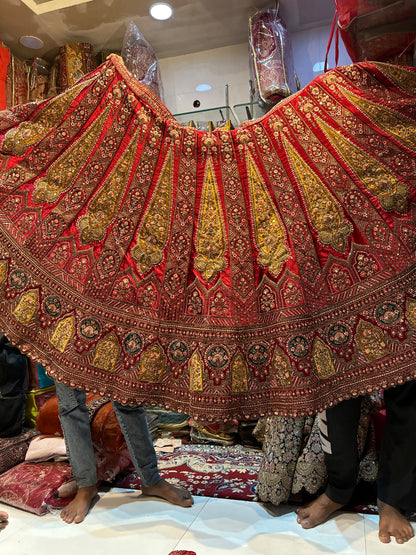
(161, 11)
(31, 42)
(203, 87)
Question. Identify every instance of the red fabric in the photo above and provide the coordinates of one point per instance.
(31, 486)
(226, 274)
(4, 63)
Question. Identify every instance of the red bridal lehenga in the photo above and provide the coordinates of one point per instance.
(265, 270)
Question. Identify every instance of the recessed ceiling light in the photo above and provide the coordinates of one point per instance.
(203, 87)
(31, 42)
(161, 11)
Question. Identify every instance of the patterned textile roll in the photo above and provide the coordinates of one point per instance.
(223, 274)
(17, 89)
(75, 60)
(271, 57)
(4, 63)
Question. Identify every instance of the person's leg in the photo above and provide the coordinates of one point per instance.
(134, 426)
(338, 428)
(396, 483)
(4, 520)
(73, 414)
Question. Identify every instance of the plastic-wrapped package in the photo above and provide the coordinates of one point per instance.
(378, 30)
(140, 59)
(38, 79)
(271, 56)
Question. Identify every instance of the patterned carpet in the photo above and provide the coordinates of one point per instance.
(212, 471)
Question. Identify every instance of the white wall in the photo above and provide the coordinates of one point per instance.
(230, 65)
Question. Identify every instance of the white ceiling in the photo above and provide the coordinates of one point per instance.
(197, 24)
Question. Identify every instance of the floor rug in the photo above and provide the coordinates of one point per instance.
(208, 470)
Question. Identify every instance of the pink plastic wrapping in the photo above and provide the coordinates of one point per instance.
(140, 59)
(271, 56)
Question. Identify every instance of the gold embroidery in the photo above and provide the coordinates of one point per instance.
(152, 364)
(3, 271)
(391, 193)
(239, 375)
(105, 204)
(371, 341)
(281, 368)
(269, 233)
(61, 173)
(411, 313)
(17, 140)
(107, 353)
(27, 307)
(210, 235)
(62, 334)
(323, 360)
(153, 233)
(324, 210)
(195, 373)
(404, 78)
(393, 122)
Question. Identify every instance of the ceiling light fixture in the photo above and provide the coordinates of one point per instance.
(203, 87)
(31, 42)
(161, 11)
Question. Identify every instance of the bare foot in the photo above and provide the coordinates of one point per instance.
(317, 512)
(78, 509)
(393, 523)
(3, 520)
(169, 492)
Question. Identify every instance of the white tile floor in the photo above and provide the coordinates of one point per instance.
(123, 523)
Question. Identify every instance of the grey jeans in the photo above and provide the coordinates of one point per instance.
(73, 414)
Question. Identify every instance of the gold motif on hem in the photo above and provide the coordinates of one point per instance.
(107, 353)
(27, 307)
(195, 373)
(152, 364)
(63, 333)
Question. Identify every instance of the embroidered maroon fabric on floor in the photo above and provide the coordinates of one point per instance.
(225, 274)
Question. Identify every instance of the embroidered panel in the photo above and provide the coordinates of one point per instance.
(264, 270)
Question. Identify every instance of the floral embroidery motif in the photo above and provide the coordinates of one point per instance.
(178, 352)
(371, 341)
(27, 307)
(196, 366)
(152, 364)
(63, 334)
(154, 229)
(217, 356)
(325, 212)
(133, 343)
(269, 232)
(107, 353)
(239, 382)
(371, 171)
(388, 314)
(323, 360)
(61, 173)
(210, 236)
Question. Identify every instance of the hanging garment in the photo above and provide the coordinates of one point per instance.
(224, 274)
(379, 30)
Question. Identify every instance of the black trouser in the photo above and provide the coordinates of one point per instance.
(396, 483)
